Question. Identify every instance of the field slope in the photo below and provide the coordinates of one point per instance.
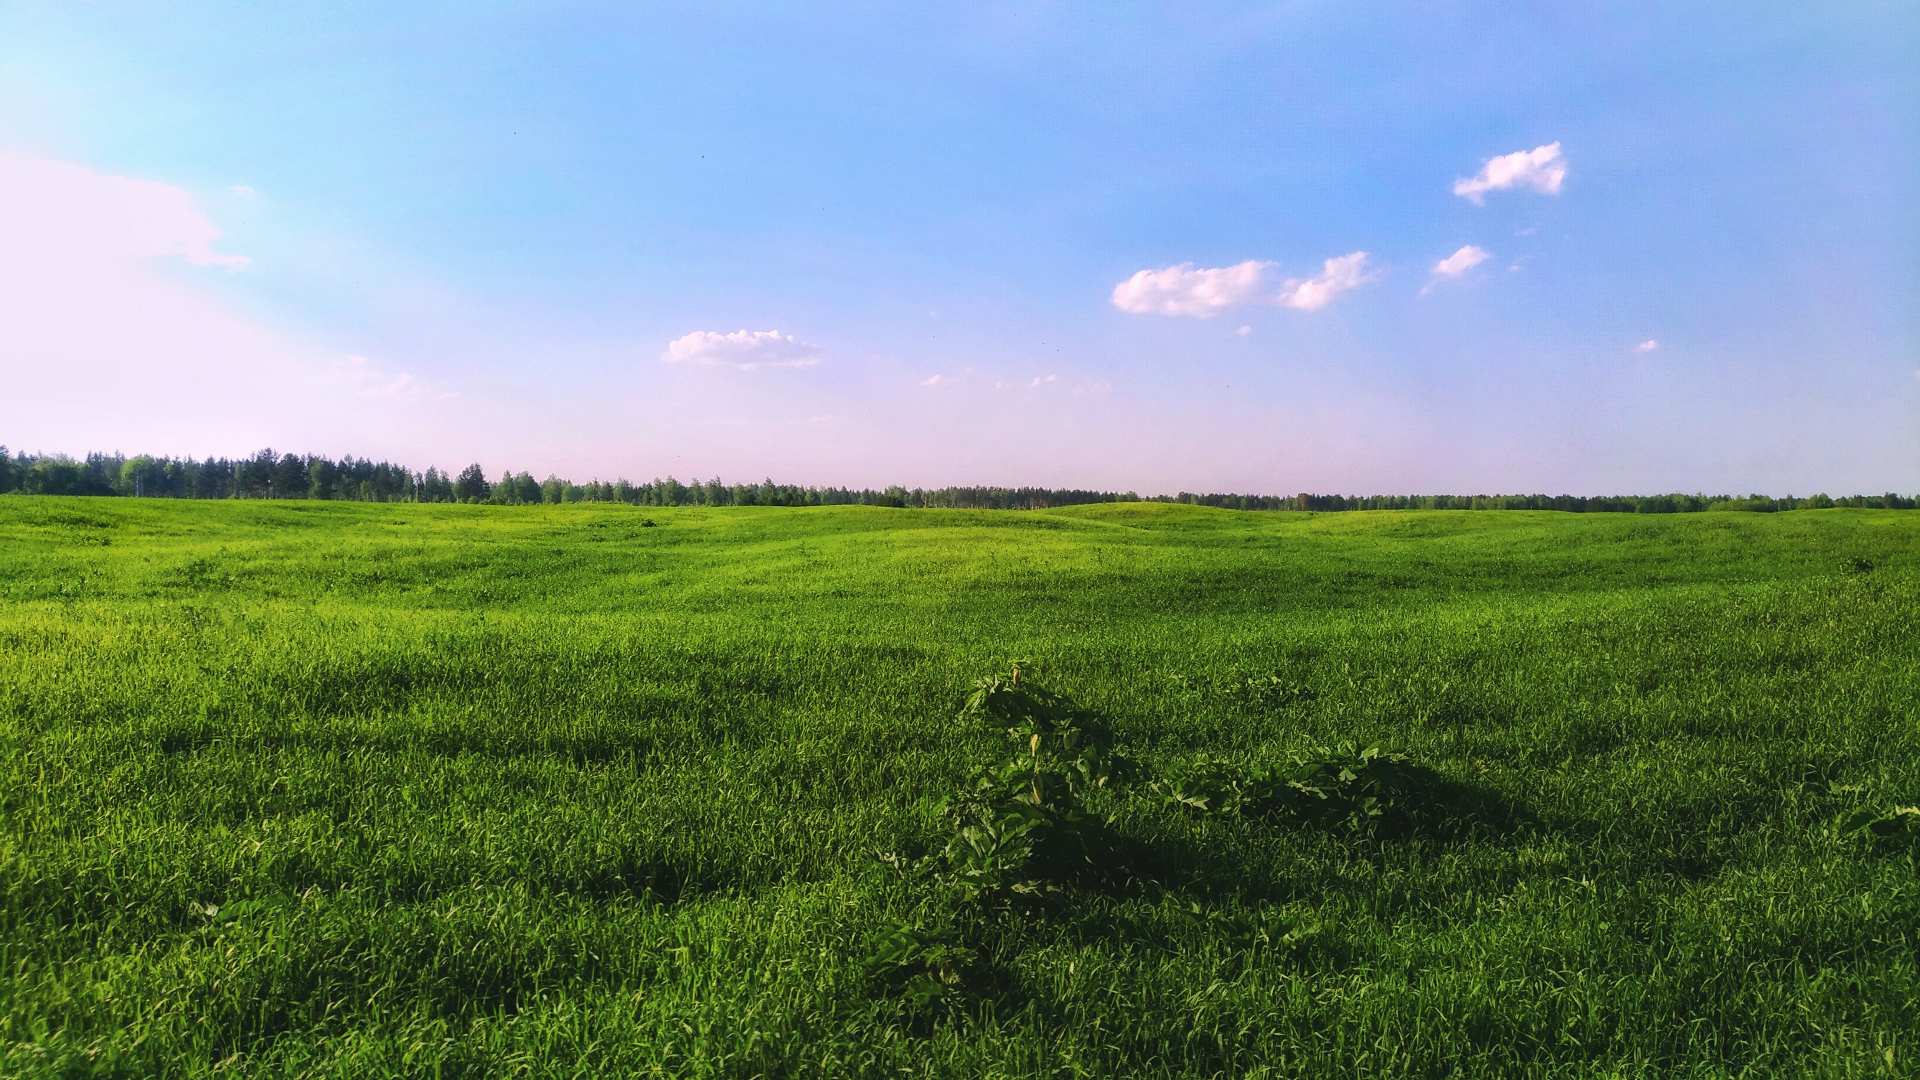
(356, 790)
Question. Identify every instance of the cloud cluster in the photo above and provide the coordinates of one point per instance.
(1204, 292)
(94, 262)
(1201, 292)
(1647, 346)
(1541, 169)
(743, 350)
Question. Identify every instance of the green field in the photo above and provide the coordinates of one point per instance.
(358, 790)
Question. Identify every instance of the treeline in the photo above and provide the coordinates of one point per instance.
(267, 475)
(1619, 504)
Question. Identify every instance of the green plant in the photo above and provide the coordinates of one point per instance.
(1056, 743)
(1021, 829)
(1020, 834)
(928, 970)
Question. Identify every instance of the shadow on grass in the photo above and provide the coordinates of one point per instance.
(1195, 859)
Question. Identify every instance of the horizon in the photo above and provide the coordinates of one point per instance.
(436, 484)
(1265, 250)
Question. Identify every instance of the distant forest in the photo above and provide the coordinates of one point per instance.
(267, 475)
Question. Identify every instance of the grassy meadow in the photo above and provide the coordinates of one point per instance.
(317, 789)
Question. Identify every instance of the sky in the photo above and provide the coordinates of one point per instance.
(1271, 248)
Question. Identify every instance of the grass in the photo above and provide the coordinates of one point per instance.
(354, 790)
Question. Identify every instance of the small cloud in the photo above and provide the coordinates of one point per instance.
(1337, 275)
(1461, 261)
(743, 350)
(1244, 331)
(366, 379)
(1528, 231)
(822, 419)
(1044, 380)
(1541, 169)
(1648, 345)
(1196, 292)
(936, 380)
(1456, 265)
(244, 191)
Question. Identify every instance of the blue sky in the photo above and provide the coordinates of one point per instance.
(858, 246)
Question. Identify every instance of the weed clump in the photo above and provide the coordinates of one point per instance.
(1022, 829)
(1027, 832)
(1021, 834)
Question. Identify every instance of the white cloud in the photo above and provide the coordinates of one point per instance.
(1648, 345)
(1540, 169)
(244, 191)
(1244, 331)
(1184, 289)
(1461, 261)
(745, 350)
(120, 329)
(1337, 275)
(72, 217)
(969, 382)
(1202, 292)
